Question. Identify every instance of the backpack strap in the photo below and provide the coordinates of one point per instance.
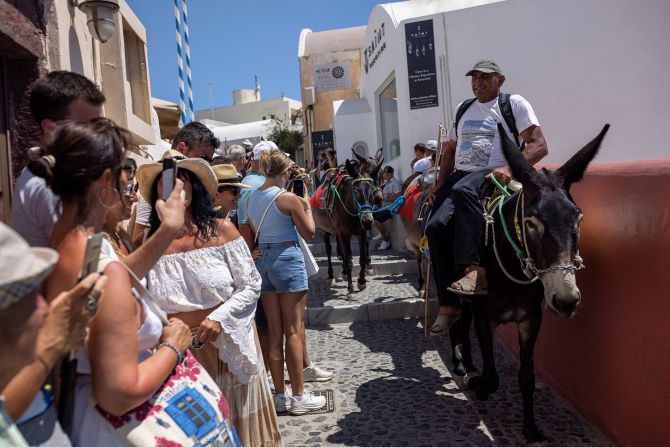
(465, 105)
(506, 109)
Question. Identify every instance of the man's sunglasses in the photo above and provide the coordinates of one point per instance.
(130, 166)
(234, 189)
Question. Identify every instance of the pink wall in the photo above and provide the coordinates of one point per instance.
(612, 360)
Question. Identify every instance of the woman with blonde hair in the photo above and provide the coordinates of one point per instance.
(278, 218)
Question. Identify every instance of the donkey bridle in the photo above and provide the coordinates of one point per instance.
(525, 259)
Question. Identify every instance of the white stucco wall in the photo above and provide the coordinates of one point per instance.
(581, 63)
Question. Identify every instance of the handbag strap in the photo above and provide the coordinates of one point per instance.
(260, 224)
(145, 295)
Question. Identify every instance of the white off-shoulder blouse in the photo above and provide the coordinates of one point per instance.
(206, 277)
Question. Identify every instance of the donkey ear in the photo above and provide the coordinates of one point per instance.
(573, 170)
(361, 157)
(375, 171)
(521, 169)
(350, 169)
(378, 154)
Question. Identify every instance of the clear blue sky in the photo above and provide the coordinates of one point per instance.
(231, 41)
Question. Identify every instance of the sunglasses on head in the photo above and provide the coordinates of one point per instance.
(130, 167)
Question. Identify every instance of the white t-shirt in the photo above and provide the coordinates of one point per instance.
(35, 209)
(143, 211)
(478, 144)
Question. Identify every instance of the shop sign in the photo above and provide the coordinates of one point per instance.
(421, 73)
(332, 76)
(321, 140)
(375, 48)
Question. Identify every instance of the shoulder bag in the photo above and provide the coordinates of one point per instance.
(188, 409)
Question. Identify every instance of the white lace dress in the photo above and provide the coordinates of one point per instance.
(224, 276)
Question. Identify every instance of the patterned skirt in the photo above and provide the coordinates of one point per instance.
(251, 405)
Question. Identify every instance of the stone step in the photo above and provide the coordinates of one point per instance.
(356, 313)
(387, 264)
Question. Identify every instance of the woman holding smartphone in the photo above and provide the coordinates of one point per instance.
(277, 217)
(124, 364)
(208, 279)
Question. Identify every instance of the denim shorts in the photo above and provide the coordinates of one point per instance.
(282, 268)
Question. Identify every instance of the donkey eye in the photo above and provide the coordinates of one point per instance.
(530, 225)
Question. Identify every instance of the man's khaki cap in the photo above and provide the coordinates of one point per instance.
(485, 66)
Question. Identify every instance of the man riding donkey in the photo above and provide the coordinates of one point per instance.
(472, 152)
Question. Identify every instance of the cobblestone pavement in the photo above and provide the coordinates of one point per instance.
(396, 280)
(392, 388)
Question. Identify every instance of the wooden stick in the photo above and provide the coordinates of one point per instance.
(425, 305)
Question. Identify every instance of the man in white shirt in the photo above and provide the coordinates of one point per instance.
(473, 150)
(55, 97)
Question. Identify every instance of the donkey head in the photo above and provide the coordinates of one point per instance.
(367, 164)
(364, 195)
(551, 220)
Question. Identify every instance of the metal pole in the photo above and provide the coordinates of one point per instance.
(187, 52)
(180, 66)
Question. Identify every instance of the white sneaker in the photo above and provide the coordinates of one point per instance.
(282, 402)
(315, 374)
(377, 237)
(306, 403)
(385, 245)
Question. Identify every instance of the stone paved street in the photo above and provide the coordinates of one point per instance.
(393, 388)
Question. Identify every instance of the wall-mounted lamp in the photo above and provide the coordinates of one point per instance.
(99, 16)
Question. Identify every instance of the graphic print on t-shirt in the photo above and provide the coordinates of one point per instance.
(476, 142)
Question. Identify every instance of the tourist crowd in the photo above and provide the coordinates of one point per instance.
(122, 278)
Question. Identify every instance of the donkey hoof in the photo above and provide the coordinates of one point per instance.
(421, 292)
(369, 272)
(459, 381)
(351, 296)
(362, 285)
(331, 281)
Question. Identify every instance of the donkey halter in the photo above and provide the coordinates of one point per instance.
(525, 259)
(366, 205)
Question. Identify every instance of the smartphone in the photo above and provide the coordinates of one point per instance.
(92, 255)
(299, 187)
(169, 176)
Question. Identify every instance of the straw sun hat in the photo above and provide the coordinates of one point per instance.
(226, 175)
(146, 174)
(22, 268)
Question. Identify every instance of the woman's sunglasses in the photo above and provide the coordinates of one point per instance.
(130, 166)
(132, 188)
(234, 189)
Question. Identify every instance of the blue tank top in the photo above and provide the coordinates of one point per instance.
(277, 226)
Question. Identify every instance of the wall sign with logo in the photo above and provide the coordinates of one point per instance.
(332, 76)
(321, 140)
(421, 71)
(375, 48)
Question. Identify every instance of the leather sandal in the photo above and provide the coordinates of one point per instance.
(468, 286)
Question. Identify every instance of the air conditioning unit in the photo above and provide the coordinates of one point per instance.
(308, 96)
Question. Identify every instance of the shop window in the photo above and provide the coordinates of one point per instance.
(388, 120)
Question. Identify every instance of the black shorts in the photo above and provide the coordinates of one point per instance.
(382, 216)
(261, 320)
